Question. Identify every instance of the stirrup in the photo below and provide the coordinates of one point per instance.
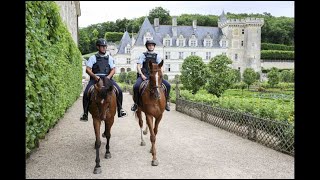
(122, 113)
(167, 107)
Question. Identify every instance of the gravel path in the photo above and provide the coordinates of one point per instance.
(186, 148)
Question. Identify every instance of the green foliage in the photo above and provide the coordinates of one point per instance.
(276, 54)
(280, 47)
(131, 77)
(162, 14)
(166, 76)
(202, 20)
(273, 77)
(272, 106)
(193, 73)
(113, 36)
(220, 76)
(286, 76)
(236, 75)
(122, 77)
(53, 70)
(249, 76)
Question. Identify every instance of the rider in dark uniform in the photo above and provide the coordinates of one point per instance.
(99, 66)
(143, 72)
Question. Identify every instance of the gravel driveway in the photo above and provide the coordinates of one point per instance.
(186, 148)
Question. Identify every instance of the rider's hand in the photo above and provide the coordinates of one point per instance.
(143, 77)
(97, 78)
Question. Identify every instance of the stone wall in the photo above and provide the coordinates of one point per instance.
(69, 12)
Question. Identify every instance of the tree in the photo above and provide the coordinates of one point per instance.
(220, 76)
(162, 14)
(131, 77)
(193, 73)
(165, 76)
(249, 76)
(122, 77)
(285, 76)
(273, 77)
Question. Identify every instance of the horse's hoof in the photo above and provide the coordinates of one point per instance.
(154, 163)
(97, 170)
(145, 132)
(143, 143)
(107, 156)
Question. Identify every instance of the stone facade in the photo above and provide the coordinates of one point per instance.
(239, 39)
(69, 12)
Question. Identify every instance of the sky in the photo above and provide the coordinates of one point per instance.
(93, 12)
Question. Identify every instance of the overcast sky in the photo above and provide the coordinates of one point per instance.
(93, 12)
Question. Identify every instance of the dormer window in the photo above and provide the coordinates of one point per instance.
(167, 41)
(127, 49)
(193, 41)
(147, 36)
(180, 41)
(207, 42)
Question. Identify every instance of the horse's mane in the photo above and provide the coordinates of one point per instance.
(107, 87)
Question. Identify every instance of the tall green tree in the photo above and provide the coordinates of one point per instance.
(273, 77)
(193, 73)
(220, 76)
(249, 76)
(161, 13)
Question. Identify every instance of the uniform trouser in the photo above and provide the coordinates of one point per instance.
(138, 83)
(86, 99)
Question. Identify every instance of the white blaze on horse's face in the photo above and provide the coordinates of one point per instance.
(157, 83)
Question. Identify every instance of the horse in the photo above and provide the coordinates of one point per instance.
(102, 107)
(153, 102)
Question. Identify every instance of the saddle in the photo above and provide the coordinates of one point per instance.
(142, 88)
(91, 88)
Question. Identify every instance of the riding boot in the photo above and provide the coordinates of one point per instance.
(168, 104)
(84, 116)
(135, 99)
(86, 102)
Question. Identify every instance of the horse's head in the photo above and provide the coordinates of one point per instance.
(102, 89)
(155, 79)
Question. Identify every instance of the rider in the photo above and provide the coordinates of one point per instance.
(99, 66)
(143, 72)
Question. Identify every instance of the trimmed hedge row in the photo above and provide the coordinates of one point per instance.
(53, 70)
(276, 54)
(280, 47)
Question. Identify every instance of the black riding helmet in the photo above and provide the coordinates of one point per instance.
(101, 42)
(150, 42)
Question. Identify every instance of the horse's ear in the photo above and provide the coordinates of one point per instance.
(150, 65)
(160, 64)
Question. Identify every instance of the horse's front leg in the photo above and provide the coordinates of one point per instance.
(154, 161)
(96, 125)
(139, 114)
(108, 125)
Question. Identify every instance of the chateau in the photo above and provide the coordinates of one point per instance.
(239, 39)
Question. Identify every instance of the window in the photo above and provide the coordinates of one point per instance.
(167, 42)
(242, 31)
(208, 55)
(180, 55)
(167, 55)
(208, 43)
(223, 43)
(128, 60)
(193, 53)
(128, 69)
(241, 43)
(181, 42)
(123, 70)
(167, 68)
(235, 56)
(192, 43)
(128, 50)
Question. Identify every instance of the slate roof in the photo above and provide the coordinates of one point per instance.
(123, 43)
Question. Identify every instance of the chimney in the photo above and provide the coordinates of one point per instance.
(156, 24)
(194, 24)
(174, 26)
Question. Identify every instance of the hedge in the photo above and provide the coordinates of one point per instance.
(277, 55)
(280, 47)
(53, 70)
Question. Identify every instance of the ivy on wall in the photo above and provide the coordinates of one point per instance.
(53, 70)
